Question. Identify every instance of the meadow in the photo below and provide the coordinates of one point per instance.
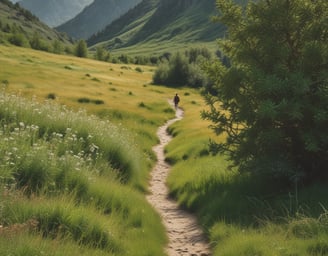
(76, 139)
(73, 176)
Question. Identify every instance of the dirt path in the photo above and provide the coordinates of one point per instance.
(185, 236)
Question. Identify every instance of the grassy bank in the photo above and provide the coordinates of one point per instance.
(76, 138)
(121, 94)
(70, 177)
(242, 216)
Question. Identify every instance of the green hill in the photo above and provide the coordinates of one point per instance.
(125, 26)
(155, 27)
(20, 27)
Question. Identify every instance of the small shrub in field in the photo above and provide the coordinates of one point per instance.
(138, 69)
(98, 102)
(84, 100)
(51, 96)
(87, 100)
(168, 110)
(95, 79)
(125, 67)
(5, 82)
(142, 105)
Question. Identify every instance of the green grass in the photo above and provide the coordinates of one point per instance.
(241, 215)
(155, 32)
(78, 172)
(72, 177)
(90, 164)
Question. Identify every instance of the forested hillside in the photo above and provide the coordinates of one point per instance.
(20, 27)
(160, 22)
(127, 25)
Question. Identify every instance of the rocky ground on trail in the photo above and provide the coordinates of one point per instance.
(185, 235)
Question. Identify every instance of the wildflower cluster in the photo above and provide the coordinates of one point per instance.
(43, 144)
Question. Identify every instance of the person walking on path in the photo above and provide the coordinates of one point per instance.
(176, 100)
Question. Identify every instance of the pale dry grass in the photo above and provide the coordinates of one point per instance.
(38, 74)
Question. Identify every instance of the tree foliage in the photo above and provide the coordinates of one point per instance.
(81, 49)
(183, 69)
(102, 54)
(271, 102)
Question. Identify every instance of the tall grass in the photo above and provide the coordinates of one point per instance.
(35, 74)
(69, 133)
(82, 177)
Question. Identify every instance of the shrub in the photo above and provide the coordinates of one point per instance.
(84, 100)
(138, 69)
(181, 70)
(51, 96)
(18, 39)
(161, 74)
(142, 105)
(98, 102)
(81, 49)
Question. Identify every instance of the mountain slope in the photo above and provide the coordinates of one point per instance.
(96, 16)
(55, 12)
(16, 22)
(161, 23)
(182, 20)
(132, 21)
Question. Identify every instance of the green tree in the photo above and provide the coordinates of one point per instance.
(57, 47)
(81, 49)
(18, 39)
(35, 41)
(178, 70)
(271, 102)
(174, 72)
(102, 54)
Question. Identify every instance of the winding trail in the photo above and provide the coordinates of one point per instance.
(185, 235)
